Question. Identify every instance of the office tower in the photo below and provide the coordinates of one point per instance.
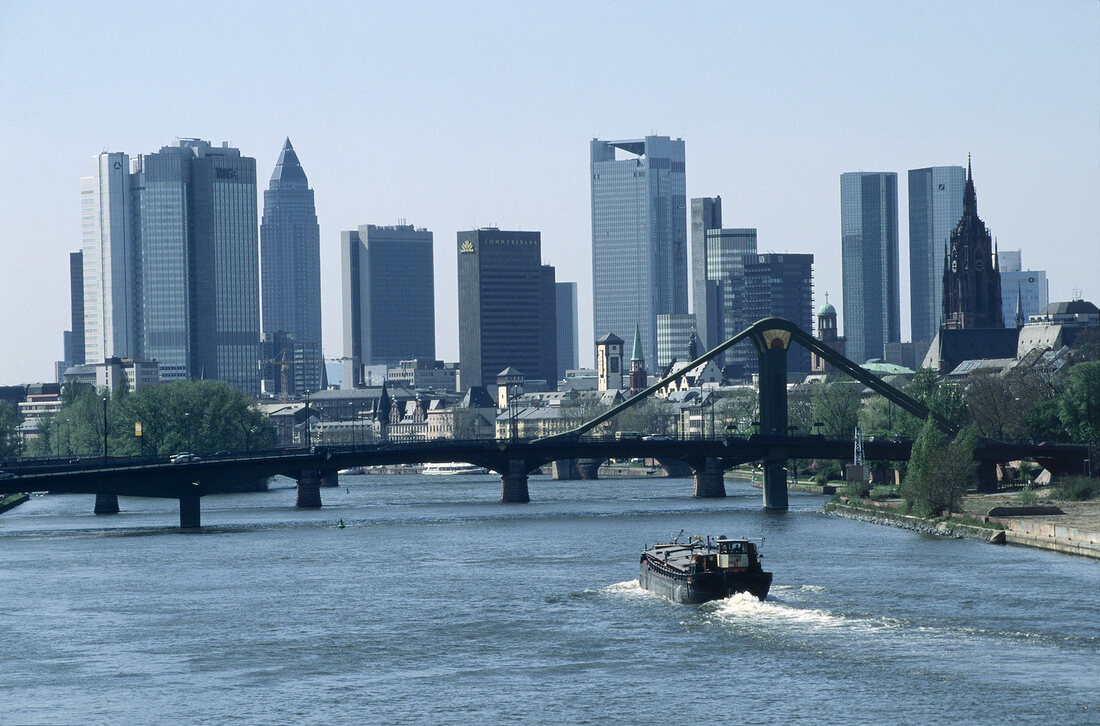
(290, 271)
(674, 337)
(639, 235)
(971, 280)
(503, 291)
(1026, 289)
(188, 294)
(108, 259)
(727, 251)
(869, 261)
(782, 285)
(706, 215)
(388, 297)
(74, 354)
(935, 207)
(568, 330)
(548, 326)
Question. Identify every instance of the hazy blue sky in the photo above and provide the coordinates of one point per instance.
(455, 115)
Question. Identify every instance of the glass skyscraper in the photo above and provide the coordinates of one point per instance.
(935, 207)
(781, 285)
(506, 309)
(568, 330)
(290, 267)
(869, 260)
(639, 235)
(388, 297)
(188, 294)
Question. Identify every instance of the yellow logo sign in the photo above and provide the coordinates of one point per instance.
(137, 428)
(467, 247)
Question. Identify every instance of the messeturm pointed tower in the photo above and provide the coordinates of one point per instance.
(971, 279)
(290, 273)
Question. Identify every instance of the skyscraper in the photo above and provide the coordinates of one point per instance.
(639, 235)
(1027, 288)
(971, 279)
(109, 278)
(781, 285)
(388, 297)
(568, 331)
(503, 290)
(935, 207)
(290, 260)
(706, 214)
(187, 292)
(75, 354)
(869, 260)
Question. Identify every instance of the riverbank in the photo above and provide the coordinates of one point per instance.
(7, 501)
(1067, 527)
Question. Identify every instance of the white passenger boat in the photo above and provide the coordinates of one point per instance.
(453, 467)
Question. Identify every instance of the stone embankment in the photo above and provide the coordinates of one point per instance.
(7, 501)
(1072, 528)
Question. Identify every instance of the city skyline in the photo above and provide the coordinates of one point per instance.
(770, 135)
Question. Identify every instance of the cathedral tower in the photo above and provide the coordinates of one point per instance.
(971, 278)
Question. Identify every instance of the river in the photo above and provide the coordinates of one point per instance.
(436, 604)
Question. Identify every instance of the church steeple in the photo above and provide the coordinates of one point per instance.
(970, 197)
(971, 274)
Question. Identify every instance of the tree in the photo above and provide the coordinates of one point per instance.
(939, 472)
(1000, 404)
(736, 410)
(836, 405)
(1079, 402)
(9, 437)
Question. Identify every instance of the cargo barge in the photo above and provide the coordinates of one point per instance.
(700, 570)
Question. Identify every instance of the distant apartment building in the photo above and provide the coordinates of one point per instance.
(388, 283)
(507, 311)
(639, 235)
(869, 261)
(170, 262)
(290, 273)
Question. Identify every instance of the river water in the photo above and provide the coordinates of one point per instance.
(436, 604)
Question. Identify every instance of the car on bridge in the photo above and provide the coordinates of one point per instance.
(184, 458)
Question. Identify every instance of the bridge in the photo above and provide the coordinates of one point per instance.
(514, 460)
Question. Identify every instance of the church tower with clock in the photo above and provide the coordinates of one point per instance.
(971, 278)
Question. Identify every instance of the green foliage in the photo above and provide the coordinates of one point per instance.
(939, 471)
(649, 417)
(1079, 403)
(1027, 495)
(197, 416)
(1044, 422)
(1077, 488)
(9, 439)
(836, 405)
(879, 493)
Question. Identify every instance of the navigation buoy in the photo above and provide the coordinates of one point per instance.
(341, 525)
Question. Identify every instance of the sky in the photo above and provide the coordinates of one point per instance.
(452, 116)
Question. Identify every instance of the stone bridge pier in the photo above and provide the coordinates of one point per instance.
(589, 469)
(309, 489)
(708, 475)
(106, 504)
(513, 481)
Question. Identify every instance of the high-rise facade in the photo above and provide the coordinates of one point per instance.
(187, 292)
(935, 207)
(503, 315)
(290, 270)
(74, 354)
(108, 257)
(1026, 290)
(568, 330)
(781, 285)
(706, 215)
(639, 234)
(388, 297)
(674, 339)
(971, 278)
(869, 261)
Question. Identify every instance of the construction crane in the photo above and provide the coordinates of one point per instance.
(285, 363)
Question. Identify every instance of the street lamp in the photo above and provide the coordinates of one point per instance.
(104, 430)
(307, 420)
(190, 434)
